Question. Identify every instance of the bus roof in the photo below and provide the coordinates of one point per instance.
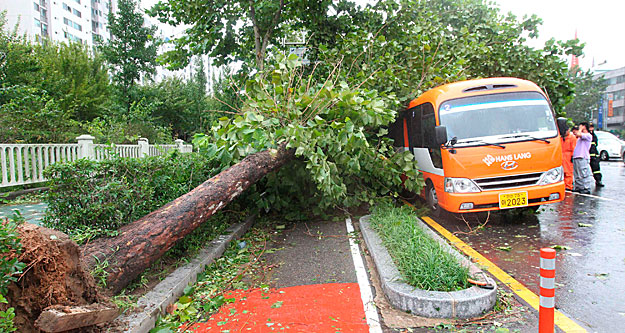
(472, 88)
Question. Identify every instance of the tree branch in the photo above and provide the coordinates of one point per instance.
(257, 42)
(274, 22)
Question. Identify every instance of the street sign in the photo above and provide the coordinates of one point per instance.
(301, 53)
(600, 114)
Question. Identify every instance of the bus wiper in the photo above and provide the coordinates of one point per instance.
(484, 142)
(451, 143)
(526, 136)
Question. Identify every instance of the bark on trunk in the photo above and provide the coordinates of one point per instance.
(144, 241)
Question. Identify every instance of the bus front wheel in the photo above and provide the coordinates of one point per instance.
(432, 200)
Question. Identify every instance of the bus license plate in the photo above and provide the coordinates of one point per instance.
(512, 200)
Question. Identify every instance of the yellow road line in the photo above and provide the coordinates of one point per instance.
(564, 322)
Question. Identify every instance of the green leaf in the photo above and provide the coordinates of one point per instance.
(185, 300)
(188, 290)
(277, 305)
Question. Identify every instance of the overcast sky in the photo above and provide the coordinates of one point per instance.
(599, 23)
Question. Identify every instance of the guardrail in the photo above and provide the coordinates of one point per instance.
(22, 164)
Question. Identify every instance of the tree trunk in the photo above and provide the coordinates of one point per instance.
(144, 241)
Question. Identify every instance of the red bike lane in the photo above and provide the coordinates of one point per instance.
(332, 307)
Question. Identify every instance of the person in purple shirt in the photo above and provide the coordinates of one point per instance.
(581, 160)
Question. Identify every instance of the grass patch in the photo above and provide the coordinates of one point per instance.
(421, 260)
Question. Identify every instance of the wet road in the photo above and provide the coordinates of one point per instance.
(590, 269)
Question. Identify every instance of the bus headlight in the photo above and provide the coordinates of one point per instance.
(552, 176)
(460, 185)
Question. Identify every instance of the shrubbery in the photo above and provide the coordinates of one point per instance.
(9, 269)
(89, 199)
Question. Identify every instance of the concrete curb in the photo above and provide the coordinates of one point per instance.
(465, 303)
(171, 288)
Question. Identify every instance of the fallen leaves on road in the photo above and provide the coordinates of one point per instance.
(504, 248)
(584, 225)
(560, 247)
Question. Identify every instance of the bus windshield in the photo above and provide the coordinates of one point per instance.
(504, 117)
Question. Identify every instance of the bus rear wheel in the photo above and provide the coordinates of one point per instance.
(432, 200)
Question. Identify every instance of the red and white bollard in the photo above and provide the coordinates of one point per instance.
(547, 290)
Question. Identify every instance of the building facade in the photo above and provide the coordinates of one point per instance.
(81, 21)
(613, 108)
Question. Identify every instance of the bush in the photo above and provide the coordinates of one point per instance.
(422, 262)
(89, 199)
(10, 246)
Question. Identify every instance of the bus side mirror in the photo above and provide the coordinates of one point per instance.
(562, 126)
(441, 134)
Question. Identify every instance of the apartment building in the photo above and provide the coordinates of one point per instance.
(81, 21)
(613, 109)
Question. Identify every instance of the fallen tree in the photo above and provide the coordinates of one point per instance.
(327, 126)
(144, 241)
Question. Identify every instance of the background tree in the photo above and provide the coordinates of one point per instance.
(131, 50)
(172, 105)
(77, 78)
(198, 86)
(30, 115)
(28, 112)
(409, 46)
(230, 31)
(180, 104)
(588, 92)
(53, 92)
(18, 61)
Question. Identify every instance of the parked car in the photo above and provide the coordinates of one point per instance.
(609, 146)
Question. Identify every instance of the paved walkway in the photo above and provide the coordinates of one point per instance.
(32, 212)
(312, 287)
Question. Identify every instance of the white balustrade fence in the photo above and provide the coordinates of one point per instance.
(22, 164)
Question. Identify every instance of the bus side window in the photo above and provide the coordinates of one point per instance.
(414, 126)
(428, 122)
(396, 131)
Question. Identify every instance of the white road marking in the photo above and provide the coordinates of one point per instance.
(590, 195)
(373, 320)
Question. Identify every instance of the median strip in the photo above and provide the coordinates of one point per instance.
(561, 320)
(454, 303)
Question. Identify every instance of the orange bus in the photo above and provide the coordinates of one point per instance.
(483, 145)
